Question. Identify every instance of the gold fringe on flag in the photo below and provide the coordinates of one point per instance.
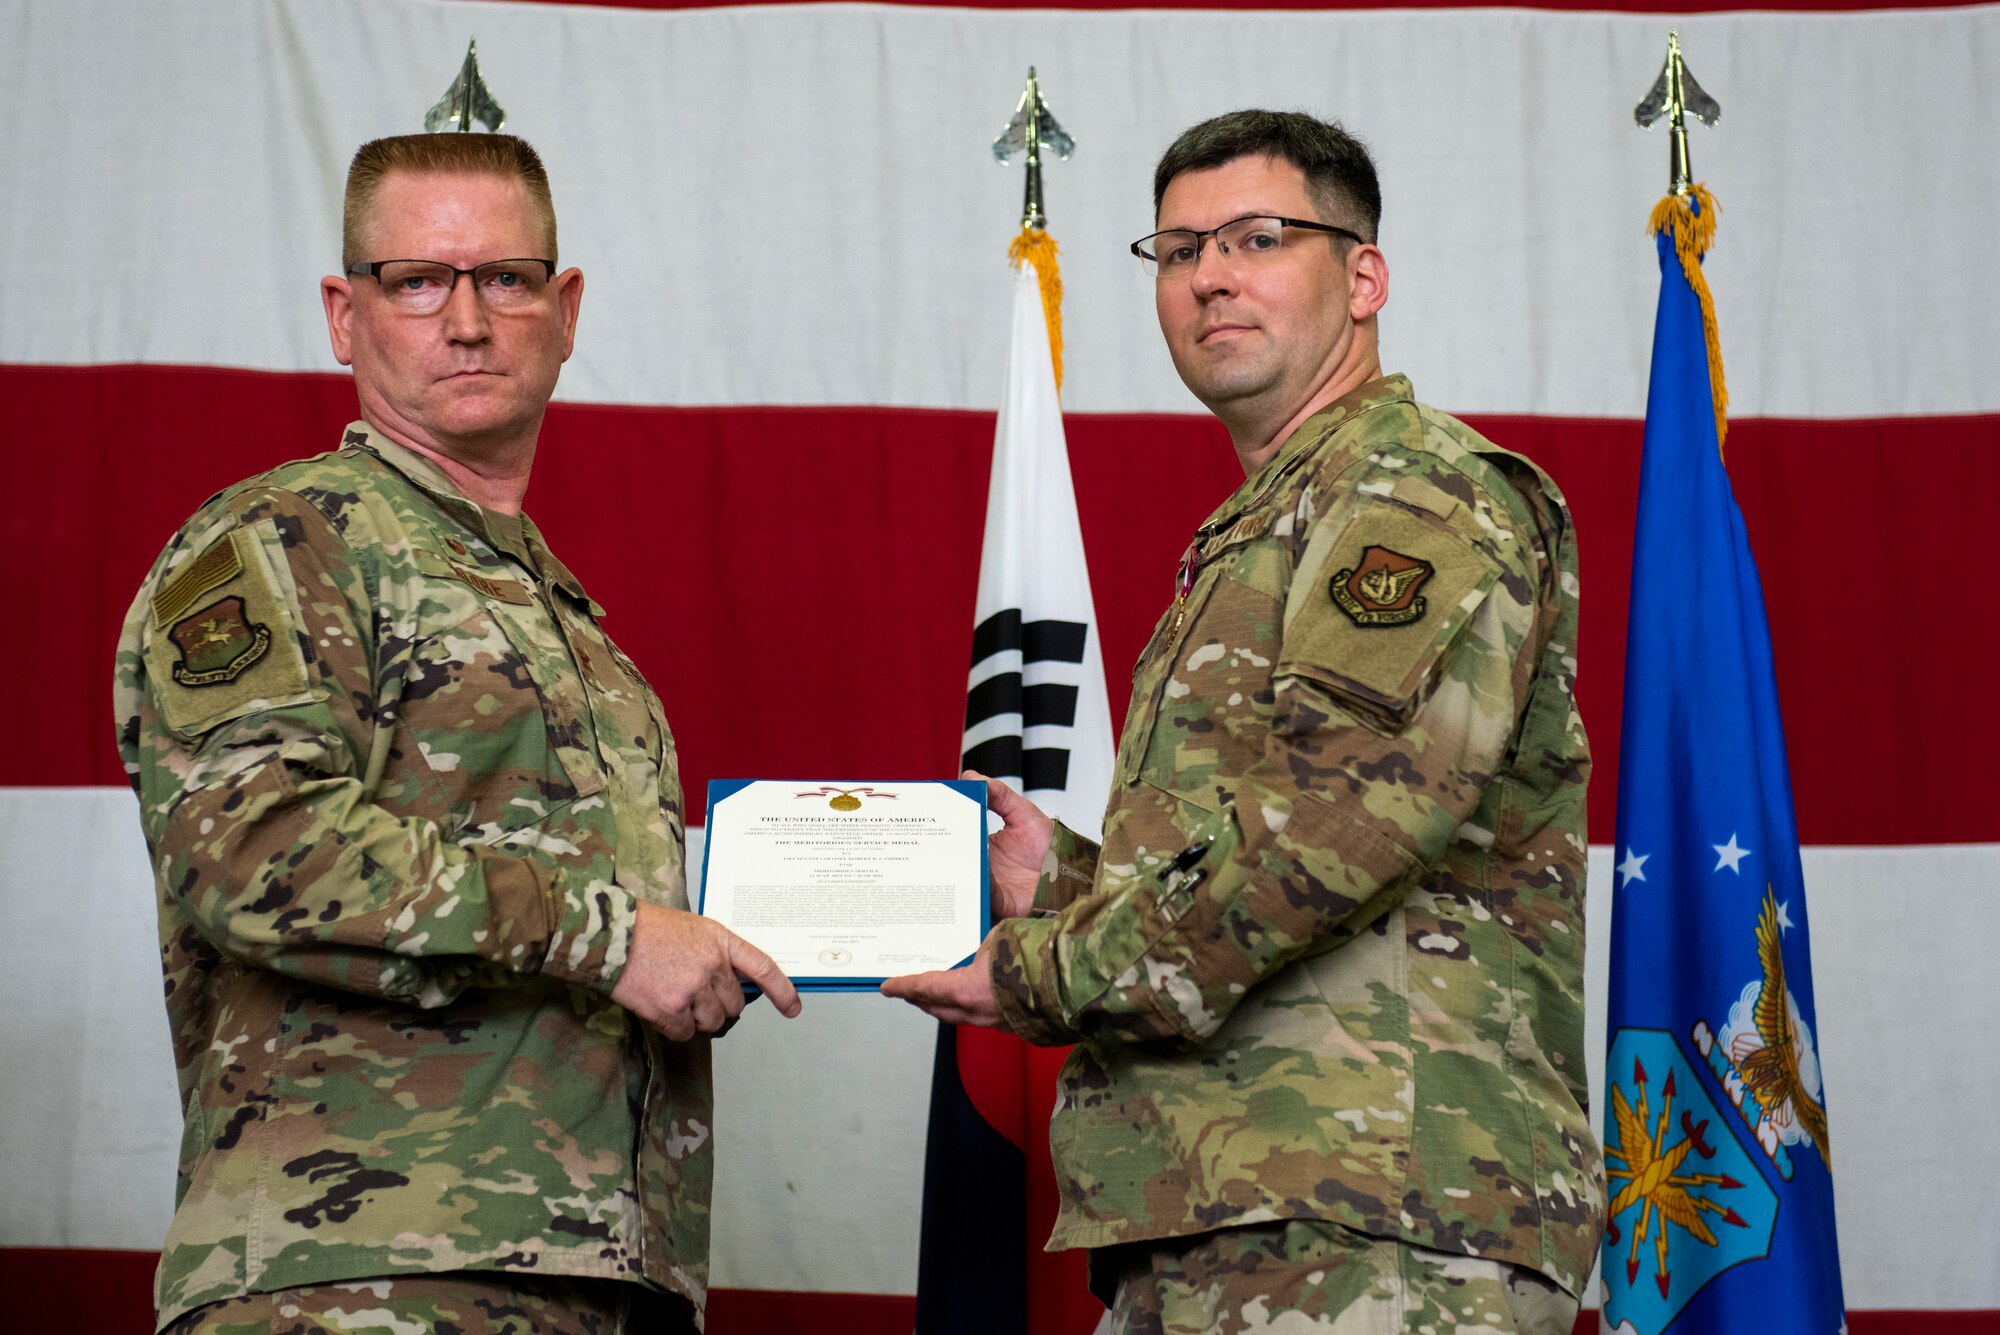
(1694, 233)
(1035, 246)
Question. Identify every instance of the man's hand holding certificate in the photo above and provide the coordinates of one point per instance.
(1014, 861)
(846, 885)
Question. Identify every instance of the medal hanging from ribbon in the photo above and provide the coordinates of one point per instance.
(1184, 580)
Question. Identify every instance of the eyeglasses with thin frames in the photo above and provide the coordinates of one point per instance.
(1176, 252)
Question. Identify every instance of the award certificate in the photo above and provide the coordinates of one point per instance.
(845, 885)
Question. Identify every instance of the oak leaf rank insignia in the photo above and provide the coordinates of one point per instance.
(1382, 588)
(218, 643)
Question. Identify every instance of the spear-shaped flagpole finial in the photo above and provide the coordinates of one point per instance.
(1687, 214)
(467, 100)
(1033, 128)
(1674, 94)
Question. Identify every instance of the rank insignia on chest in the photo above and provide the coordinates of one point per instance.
(218, 643)
(1381, 589)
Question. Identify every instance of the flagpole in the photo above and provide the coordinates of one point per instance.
(1037, 717)
(1716, 1142)
(1033, 128)
(1689, 210)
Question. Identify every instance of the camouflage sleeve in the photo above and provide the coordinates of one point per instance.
(1381, 737)
(1068, 870)
(262, 674)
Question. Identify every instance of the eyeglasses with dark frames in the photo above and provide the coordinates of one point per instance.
(1175, 252)
(424, 286)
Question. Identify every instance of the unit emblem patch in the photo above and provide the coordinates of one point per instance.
(218, 644)
(1382, 588)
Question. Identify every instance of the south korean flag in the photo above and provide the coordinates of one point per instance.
(1036, 713)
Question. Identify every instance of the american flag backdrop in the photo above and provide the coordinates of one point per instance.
(770, 456)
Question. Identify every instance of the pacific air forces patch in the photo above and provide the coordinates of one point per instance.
(218, 643)
(1382, 590)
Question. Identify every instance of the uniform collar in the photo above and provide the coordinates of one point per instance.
(1308, 436)
(520, 538)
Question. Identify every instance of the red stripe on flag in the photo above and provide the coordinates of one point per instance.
(798, 583)
(87, 1291)
(1552, 6)
(991, 1071)
(780, 1312)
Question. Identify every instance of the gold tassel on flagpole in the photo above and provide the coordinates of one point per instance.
(1035, 246)
(1694, 232)
(1689, 210)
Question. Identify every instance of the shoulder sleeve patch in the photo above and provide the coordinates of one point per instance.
(223, 642)
(1379, 603)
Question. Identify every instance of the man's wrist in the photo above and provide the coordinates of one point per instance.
(1022, 973)
(1069, 870)
(591, 940)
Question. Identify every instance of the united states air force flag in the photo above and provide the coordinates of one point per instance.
(1716, 1129)
(1037, 716)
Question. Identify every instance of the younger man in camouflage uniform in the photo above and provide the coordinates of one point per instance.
(1325, 974)
(417, 836)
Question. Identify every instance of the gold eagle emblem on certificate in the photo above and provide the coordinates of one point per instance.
(845, 799)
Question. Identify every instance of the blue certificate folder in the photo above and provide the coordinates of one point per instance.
(721, 790)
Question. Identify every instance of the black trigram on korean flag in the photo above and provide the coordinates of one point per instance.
(1023, 688)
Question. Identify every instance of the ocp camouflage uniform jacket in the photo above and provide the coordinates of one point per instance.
(402, 796)
(1329, 960)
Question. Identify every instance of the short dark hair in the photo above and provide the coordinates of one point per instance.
(499, 155)
(1340, 176)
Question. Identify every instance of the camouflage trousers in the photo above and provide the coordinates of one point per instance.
(1307, 1277)
(463, 1303)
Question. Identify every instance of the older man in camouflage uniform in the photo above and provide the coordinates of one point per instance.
(439, 1011)
(1325, 973)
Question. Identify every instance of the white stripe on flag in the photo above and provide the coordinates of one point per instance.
(820, 1120)
(1515, 183)
(994, 665)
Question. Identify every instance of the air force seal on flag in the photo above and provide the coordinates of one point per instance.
(1687, 1203)
(1765, 1057)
